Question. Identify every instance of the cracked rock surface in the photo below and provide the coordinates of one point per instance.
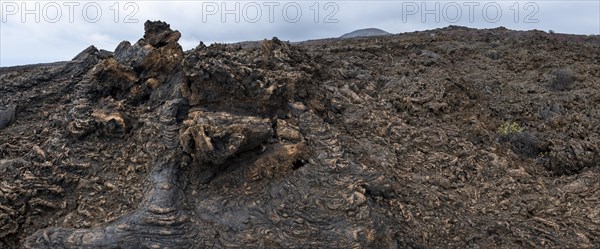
(383, 142)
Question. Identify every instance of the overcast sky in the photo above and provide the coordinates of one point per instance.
(48, 31)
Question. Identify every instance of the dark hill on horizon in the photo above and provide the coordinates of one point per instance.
(365, 33)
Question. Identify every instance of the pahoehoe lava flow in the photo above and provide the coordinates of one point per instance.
(448, 138)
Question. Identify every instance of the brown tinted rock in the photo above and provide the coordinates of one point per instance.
(159, 34)
(287, 132)
(216, 136)
(111, 123)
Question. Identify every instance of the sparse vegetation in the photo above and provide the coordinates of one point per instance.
(522, 143)
(509, 128)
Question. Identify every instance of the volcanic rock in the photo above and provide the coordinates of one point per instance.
(7, 115)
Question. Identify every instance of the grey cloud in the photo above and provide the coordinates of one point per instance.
(30, 42)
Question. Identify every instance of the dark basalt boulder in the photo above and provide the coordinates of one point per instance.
(159, 34)
(7, 115)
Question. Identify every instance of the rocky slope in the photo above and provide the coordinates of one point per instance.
(450, 138)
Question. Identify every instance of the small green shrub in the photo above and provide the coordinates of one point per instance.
(508, 129)
(522, 143)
